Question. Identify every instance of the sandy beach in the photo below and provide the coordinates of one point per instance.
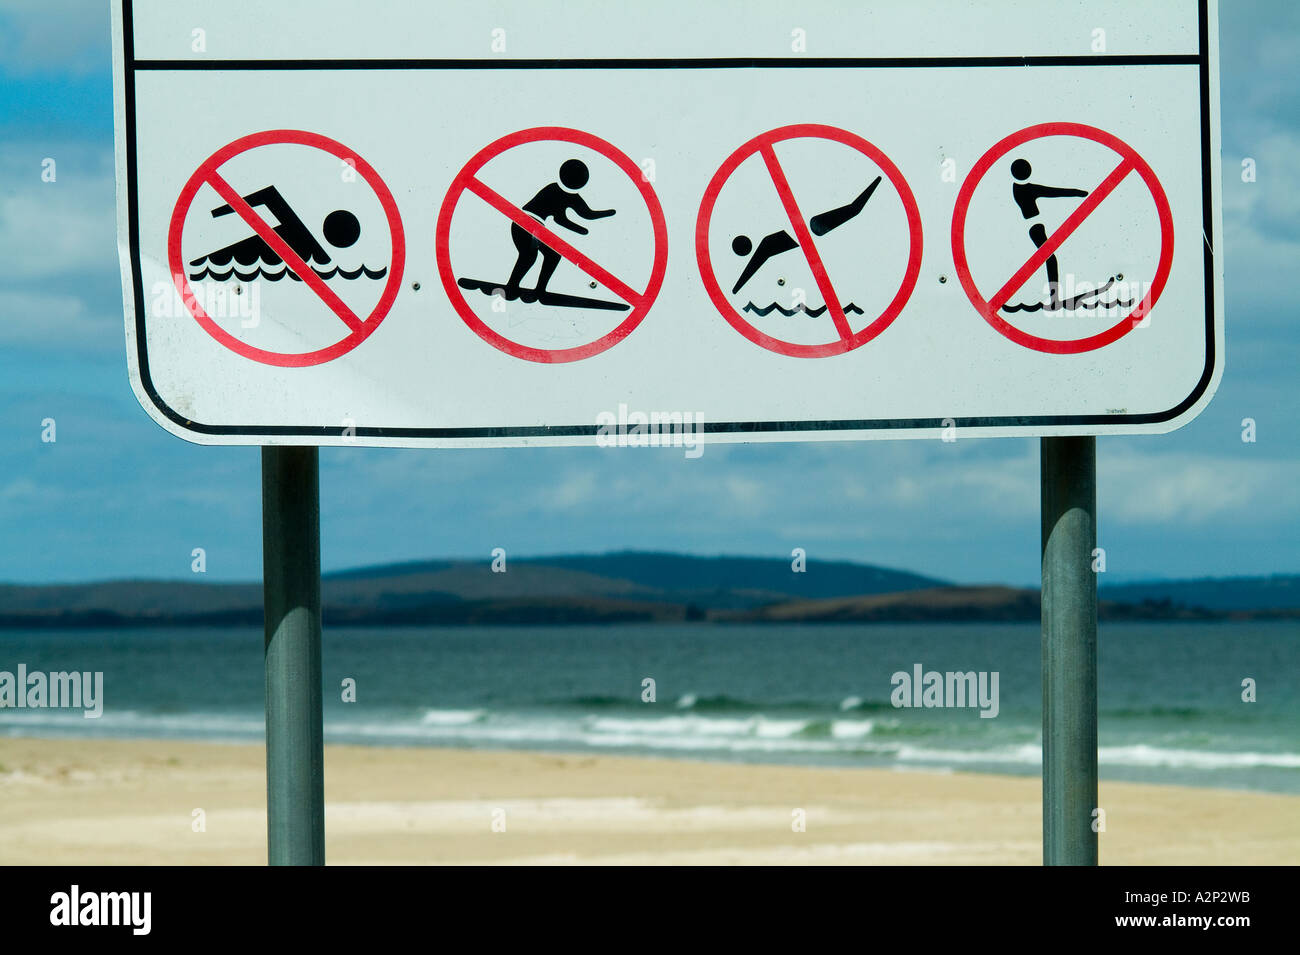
(133, 802)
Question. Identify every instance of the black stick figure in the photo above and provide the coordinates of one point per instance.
(1026, 195)
(551, 201)
(340, 229)
(778, 242)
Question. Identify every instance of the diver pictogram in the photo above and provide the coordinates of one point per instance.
(861, 256)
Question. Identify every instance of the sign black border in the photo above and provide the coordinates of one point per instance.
(1201, 59)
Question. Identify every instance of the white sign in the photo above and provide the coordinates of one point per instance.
(496, 224)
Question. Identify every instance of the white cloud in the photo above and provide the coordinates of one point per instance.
(47, 36)
(57, 320)
(1001, 487)
(1192, 489)
(1270, 205)
(574, 491)
(60, 284)
(1261, 222)
(64, 228)
(23, 491)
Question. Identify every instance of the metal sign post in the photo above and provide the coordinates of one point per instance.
(1069, 613)
(295, 754)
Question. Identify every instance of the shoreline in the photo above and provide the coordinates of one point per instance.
(708, 758)
(1117, 772)
(98, 801)
(470, 616)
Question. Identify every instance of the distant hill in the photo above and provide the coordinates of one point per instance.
(622, 587)
(132, 598)
(627, 585)
(1279, 592)
(954, 604)
(940, 603)
(741, 581)
(706, 582)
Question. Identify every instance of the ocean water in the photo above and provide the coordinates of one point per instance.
(1171, 708)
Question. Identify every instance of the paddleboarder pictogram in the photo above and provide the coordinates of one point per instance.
(1062, 317)
(561, 205)
(343, 274)
(861, 254)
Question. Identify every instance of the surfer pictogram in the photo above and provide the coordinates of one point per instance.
(550, 326)
(1026, 195)
(340, 230)
(553, 201)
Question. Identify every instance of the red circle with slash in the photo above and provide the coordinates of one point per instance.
(208, 174)
(1130, 162)
(849, 339)
(467, 180)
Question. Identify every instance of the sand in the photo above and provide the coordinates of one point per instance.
(132, 802)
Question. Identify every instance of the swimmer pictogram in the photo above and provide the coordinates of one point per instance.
(278, 242)
(340, 230)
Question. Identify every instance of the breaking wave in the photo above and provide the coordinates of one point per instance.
(850, 309)
(260, 273)
(1039, 306)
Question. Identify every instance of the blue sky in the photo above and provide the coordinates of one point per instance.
(116, 496)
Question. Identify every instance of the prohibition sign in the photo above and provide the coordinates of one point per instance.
(209, 174)
(848, 339)
(1130, 162)
(467, 181)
